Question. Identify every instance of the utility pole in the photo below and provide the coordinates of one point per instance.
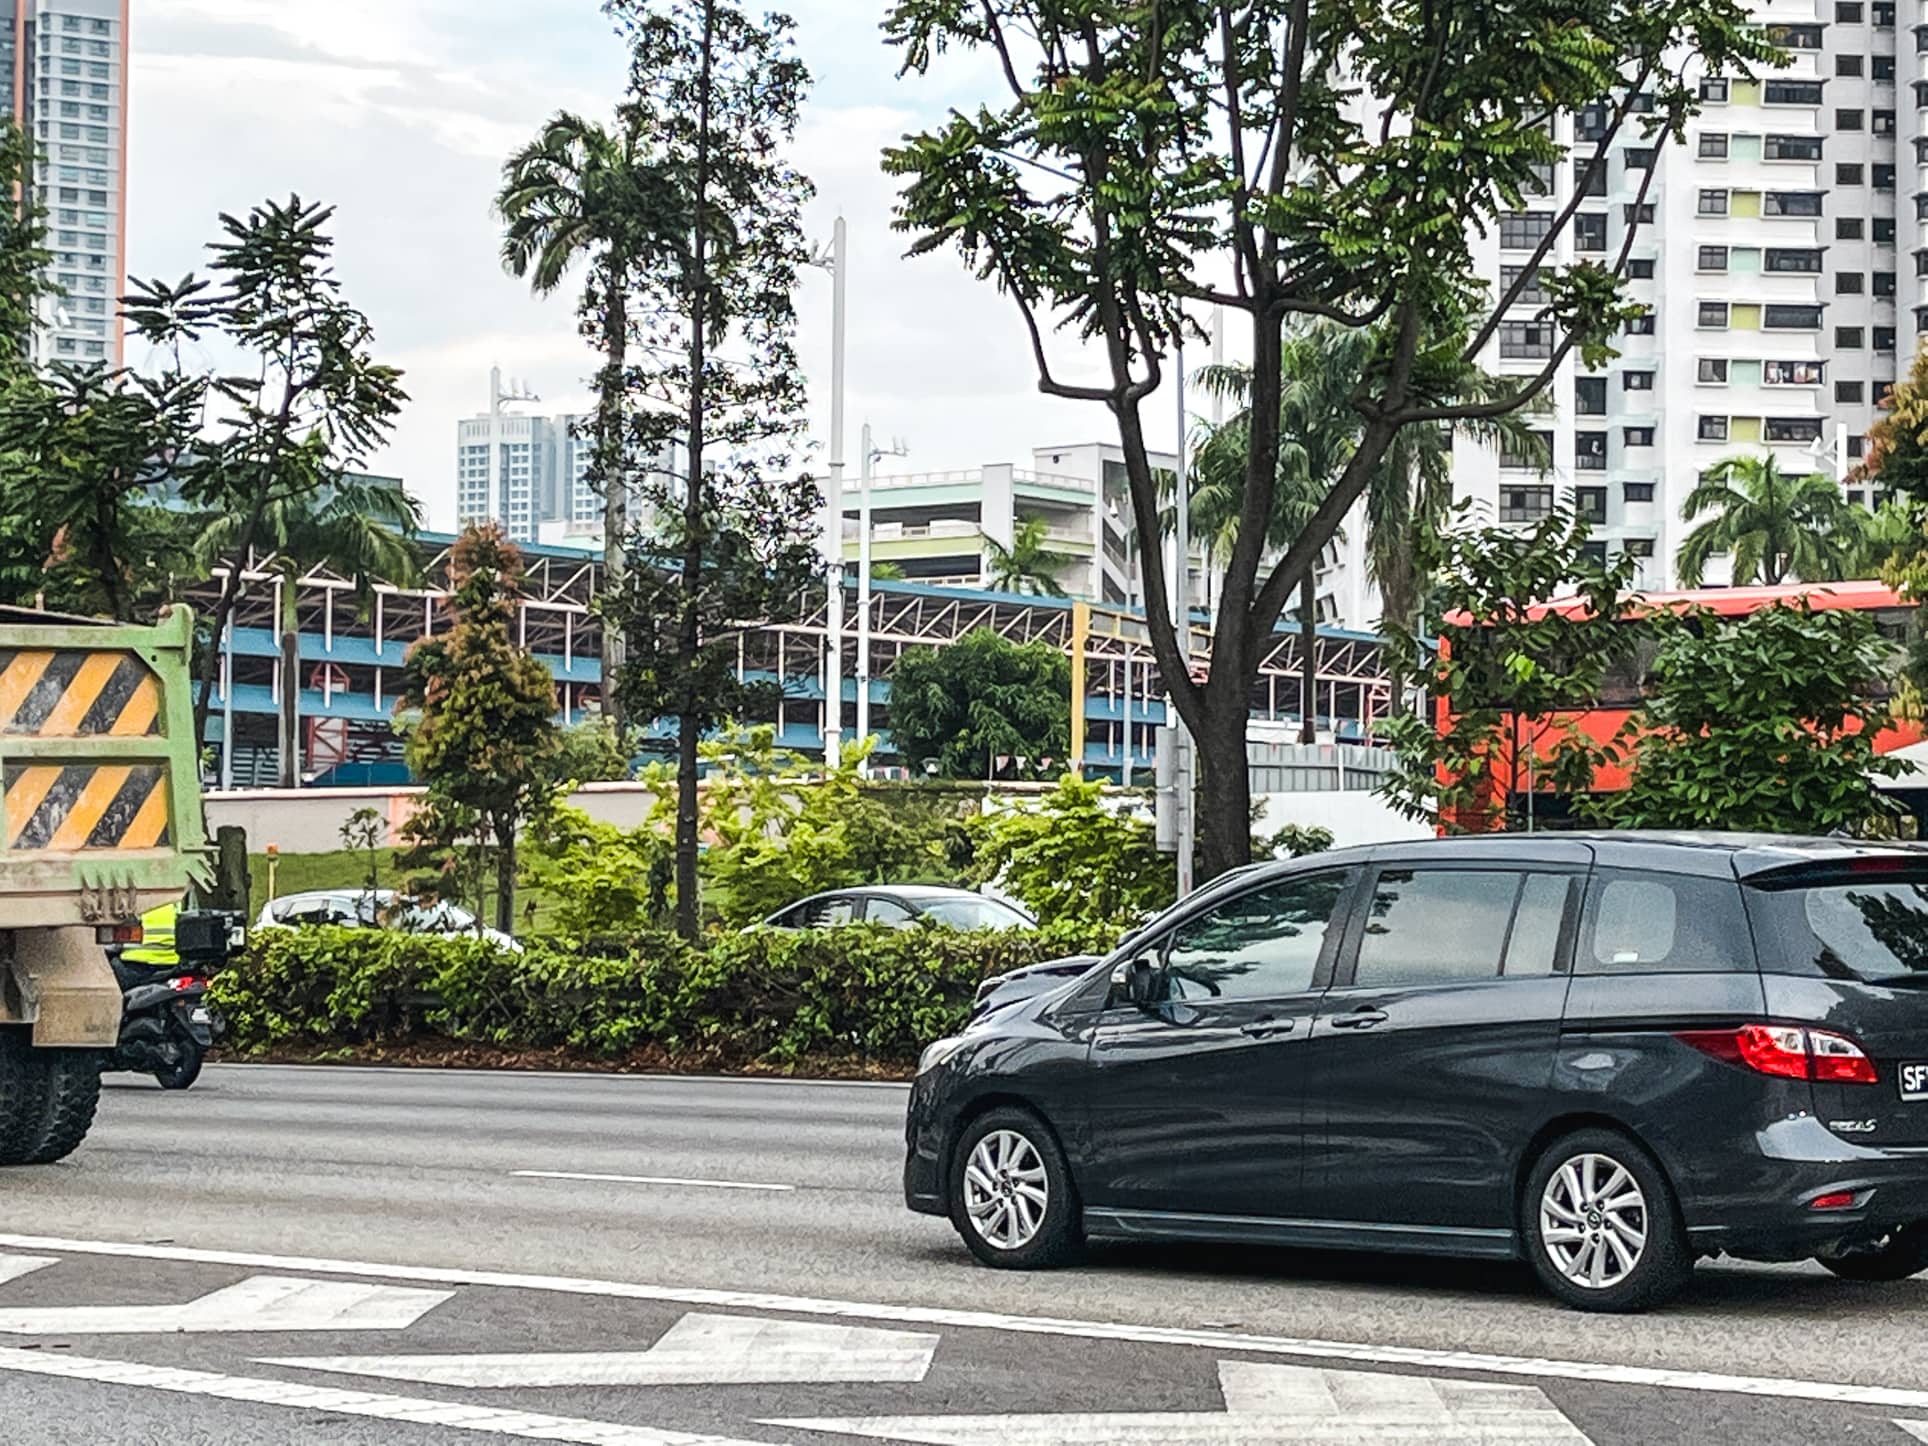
(1185, 800)
(871, 452)
(836, 262)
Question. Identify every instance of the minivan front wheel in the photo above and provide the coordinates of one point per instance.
(1010, 1192)
(1601, 1226)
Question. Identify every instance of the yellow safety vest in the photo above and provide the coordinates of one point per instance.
(156, 948)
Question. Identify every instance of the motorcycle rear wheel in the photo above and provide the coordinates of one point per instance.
(182, 1073)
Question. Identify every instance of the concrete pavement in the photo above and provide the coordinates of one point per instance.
(712, 1203)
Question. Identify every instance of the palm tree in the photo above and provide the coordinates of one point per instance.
(578, 194)
(1028, 565)
(1774, 526)
(1318, 425)
(361, 529)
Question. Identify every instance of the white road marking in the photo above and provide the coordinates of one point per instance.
(1916, 1429)
(1224, 1342)
(259, 1303)
(699, 1350)
(1265, 1405)
(646, 1180)
(530, 1425)
(12, 1267)
(614, 1076)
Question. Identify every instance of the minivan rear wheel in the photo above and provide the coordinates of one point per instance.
(1601, 1225)
(1010, 1192)
(1900, 1254)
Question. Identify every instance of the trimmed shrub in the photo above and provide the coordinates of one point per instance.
(873, 996)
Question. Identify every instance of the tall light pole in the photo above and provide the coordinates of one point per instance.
(1181, 600)
(871, 452)
(836, 261)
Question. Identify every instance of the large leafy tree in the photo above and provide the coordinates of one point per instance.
(360, 529)
(580, 195)
(1897, 453)
(718, 93)
(1029, 564)
(307, 410)
(24, 256)
(88, 450)
(1505, 673)
(1774, 527)
(981, 698)
(1288, 160)
(483, 732)
(1765, 723)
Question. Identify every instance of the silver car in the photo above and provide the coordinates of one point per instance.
(376, 909)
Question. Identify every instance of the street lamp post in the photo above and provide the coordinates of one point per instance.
(871, 452)
(1181, 598)
(836, 262)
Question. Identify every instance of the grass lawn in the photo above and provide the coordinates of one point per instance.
(348, 869)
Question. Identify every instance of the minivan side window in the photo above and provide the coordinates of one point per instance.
(1263, 944)
(1662, 923)
(1445, 926)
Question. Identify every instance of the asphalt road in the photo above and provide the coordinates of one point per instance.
(448, 1191)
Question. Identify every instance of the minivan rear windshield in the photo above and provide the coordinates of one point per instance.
(1870, 929)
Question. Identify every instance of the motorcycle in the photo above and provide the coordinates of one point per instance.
(166, 1025)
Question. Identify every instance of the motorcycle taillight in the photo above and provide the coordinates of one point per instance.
(187, 981)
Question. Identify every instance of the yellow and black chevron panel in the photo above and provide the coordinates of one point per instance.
(86, 806)
(75, 694)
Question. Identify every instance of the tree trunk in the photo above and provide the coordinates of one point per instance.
(1309, 659)
(610, 454)
(688, 724)
(1224, 794)
(290, 719)
(505, 881)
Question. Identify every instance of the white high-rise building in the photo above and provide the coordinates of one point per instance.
(63, 78)
(531, 473)
(1768, 258)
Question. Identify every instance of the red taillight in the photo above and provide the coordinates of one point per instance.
(1837, 1200)
(1838, 1059)
(1786, 1051)
(186, 981)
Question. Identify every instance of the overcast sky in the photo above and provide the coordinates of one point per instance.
(400, 113)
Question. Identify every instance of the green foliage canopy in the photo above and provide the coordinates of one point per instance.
(981, 698)
(1765, 723)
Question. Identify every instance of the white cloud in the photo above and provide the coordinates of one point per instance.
(400, 112)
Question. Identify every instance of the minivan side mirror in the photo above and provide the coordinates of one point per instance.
(1146, 983)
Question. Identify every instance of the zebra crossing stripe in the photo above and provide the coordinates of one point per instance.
(74, 694)
(369, 1405)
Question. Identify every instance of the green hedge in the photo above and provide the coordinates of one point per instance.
(869, 996)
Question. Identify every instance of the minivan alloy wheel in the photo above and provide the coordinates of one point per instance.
(1593, 1221)
(1006, 1189)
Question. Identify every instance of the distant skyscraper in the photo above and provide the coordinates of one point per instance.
(63, 77)
(531, 473)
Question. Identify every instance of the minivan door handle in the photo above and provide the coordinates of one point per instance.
(1364, 1017)
(1266, 1028)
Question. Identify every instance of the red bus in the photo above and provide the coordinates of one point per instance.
(1621, 695)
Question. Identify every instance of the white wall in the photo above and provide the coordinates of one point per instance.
(1353, 817)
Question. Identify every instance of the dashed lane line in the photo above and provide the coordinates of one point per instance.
(1417, 1357)
(679, 1180)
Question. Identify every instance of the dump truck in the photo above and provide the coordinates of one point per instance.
(100, 821)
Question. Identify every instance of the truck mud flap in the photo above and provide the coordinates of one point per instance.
(67, 987)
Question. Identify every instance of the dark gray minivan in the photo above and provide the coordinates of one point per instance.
(1611, 1054)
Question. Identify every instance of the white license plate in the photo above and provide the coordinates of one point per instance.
(200, 1016)
(1913, 1079)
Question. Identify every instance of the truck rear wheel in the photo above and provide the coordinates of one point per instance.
(73, 1094)
(47, 1098)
